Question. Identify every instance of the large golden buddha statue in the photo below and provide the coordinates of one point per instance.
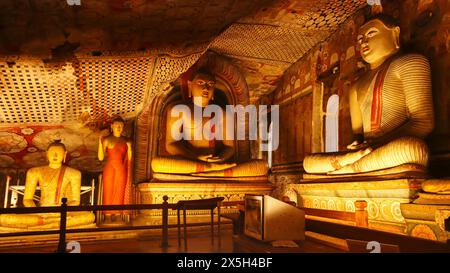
(56, 181)
(391, 108)
(207, 155)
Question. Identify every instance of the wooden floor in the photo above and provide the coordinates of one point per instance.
(198, 242)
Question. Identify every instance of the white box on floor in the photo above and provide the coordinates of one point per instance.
(269, 219)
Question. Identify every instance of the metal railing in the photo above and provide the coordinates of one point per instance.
(64, 209)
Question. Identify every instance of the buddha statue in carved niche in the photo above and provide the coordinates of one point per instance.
(207, 155)
(391, 108)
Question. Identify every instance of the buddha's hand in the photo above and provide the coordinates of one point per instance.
(355, 145)
(209, 158)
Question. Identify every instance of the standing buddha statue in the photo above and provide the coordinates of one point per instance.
(117, 170)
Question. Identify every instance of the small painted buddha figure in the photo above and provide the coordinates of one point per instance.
(391, 107)
(56, 181)
(117, 170)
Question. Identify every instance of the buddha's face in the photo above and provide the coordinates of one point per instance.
(117, 128)
(377, 41)
(56, 154)
(201, 88)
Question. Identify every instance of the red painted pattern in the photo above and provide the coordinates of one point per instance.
(377, 99)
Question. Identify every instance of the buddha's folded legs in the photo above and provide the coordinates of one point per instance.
(42, 221)
(80, 218)
(21, 220)
(185, 166)
(247, 169)
(401, 151)
(323, 163)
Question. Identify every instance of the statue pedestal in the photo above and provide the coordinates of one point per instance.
(38, 228)
(426, 221)
(383, 197)
(153, 192)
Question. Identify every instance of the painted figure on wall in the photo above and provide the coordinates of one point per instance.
(116, 176)
(208, 156)
(56, 181)
(391, 108)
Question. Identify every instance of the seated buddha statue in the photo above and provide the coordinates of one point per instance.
(56, 181)
(391, 108)
(204, 156)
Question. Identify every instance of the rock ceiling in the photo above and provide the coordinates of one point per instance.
(62, 64)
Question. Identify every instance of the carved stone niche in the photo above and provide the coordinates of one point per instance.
(231, 89)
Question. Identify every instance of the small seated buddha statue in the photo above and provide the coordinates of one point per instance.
(209, 156)
(391, 108)
(56, 181)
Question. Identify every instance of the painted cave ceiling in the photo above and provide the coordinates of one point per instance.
(65, 69)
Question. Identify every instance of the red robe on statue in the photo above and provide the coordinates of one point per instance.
(116, 177)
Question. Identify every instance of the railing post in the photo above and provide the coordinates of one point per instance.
(165, 222)
(8, 180)
(361, 215)
(62, 227)
(219, 204)
(100, 199)
(92, 191)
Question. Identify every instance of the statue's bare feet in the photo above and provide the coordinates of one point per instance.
(210, 174)
(352, 157)
(347, 169)
(349, 159)
(219, 167)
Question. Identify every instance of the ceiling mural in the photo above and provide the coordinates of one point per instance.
(44, 27)
(65, 71)
(310, 14)
(89, 88)
(261, 77)
(11, 143)
(281, 34)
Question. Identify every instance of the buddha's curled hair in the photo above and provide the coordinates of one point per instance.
(56, 143)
